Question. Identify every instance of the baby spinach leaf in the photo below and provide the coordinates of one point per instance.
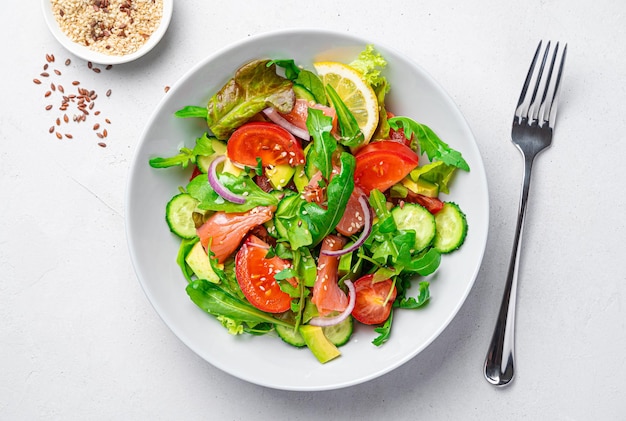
(254, 87)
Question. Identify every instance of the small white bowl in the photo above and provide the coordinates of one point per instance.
(101, 58)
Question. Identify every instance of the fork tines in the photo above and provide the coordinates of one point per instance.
(535, 109)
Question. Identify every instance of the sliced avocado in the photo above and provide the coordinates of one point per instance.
(319, 345)
(203, 161)
(300, 179)
(421, 186)
(280, 175)
(229, 167)
(345, 264)
(303, 93)
(198, 261)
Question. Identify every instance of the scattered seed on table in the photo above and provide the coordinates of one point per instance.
(53, 87)
(47, 94)
(100, 135)
(37, 81)
(96, 126)
(69, 136)
(66, 118)
(102, 144)
(57, 72)
(61, 89)
(59, 136)
(105, 133)
(89, 64)
(58, 121)
(48, 107)
(97, 113)
(109, 92)
(76, 83)
(49, 58)
(51, 129)
(44, 74)
(68, 62)
(167, 88)
(109, 67)
(96, 69)
(107, 120)
(45, 66)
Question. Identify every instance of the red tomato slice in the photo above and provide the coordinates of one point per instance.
(381, 164)
(226, 230)
(268, 141)
(433, 204)
(352, 220)
(300, 112)
(256, 276)
(373, 300)
(327, 296)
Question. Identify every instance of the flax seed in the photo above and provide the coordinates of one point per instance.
(89, 64)
(102, 144)
(107, 120)
(53, 87)
(58, 121)
(109, 67)
(105, 133)
(61, 89)
(166, 89)
(47, 94)
(100, 135)
(66, 118)
(59, 136)
(96, 126)
(37, 81)
(51, 129)
(45, 66)
(57, 72)
(44, 74)
(109, 92)
(69, 136)
(95, 69)
(76, 83)
(68, 62)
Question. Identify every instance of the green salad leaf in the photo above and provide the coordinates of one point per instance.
(254, 87)
(186, 156)
(324, 144)
(370, 63)
(437, 172)
(200, 189)
(305, 78)
(429, 142)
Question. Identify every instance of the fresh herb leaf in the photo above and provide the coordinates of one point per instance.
(254, 87)
(429, 142)
(324, 144)
(351, 134)
(422, 298)
(322, 221)
(191, 111)
(370, 63)
(186, 156)
(384, 331)
(290, 224)
(218, 302)
(312, 83)
(291, 68)
(200, 189)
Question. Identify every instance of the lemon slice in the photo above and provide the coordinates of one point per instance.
(357, 94)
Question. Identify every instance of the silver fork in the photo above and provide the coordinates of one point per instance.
(533, 126)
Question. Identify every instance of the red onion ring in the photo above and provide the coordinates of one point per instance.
(275, 117)
(331, 321)
(367, 229)
(219, 187)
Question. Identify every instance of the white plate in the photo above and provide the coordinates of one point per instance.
(267, 360)
(101, 58)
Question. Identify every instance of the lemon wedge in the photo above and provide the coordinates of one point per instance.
(357, 94)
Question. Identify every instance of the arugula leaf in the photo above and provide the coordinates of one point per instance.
(289, 223)
(203, 147)
(324, 144)
(307, 79)
(322, 221)
(191, 111)
(384, 331)
(429, 142)
(351, 134)
(218, 302)
(416, 302)
(254, 87)
(200, 189)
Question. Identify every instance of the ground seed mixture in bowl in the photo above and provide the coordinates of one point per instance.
(115, 27)
(108, 32)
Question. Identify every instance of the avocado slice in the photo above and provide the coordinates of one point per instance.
(319, 345)
(421, 186)
(198, 261)
(280, 175)
(203, 161)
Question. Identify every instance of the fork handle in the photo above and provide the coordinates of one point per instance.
(500, 361)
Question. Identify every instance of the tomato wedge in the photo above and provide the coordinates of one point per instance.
(373, 300)
(381, 164)
(256, 276)
(226, 230)
(327, 296)
(268, 141)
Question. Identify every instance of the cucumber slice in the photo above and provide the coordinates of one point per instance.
(416, 218)
(290, 336)
(451, 228)
(338, 334)
(179, 215)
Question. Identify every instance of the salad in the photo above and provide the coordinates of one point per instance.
(310, 206)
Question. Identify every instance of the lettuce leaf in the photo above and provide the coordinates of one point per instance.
(370, 63)
(254, 87)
